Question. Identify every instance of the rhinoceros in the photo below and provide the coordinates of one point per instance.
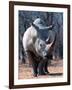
(38, 47)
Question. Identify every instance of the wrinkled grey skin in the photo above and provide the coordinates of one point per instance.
(37, 50)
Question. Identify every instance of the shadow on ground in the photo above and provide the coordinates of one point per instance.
(55, 74)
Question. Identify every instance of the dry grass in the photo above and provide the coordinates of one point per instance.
(55, 69)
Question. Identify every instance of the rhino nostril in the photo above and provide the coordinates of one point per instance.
(46, 55)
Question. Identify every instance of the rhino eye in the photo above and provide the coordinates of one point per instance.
(41, 45)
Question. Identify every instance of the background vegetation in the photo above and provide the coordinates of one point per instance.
(56, 18)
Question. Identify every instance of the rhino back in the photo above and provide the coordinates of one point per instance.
(29, 39)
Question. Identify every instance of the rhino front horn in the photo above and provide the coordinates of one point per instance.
(51, 45)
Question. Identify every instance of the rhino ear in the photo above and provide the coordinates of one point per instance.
(36, 27)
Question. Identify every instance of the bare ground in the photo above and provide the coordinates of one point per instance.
(55, 68)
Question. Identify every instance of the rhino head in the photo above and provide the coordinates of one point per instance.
(42, 46)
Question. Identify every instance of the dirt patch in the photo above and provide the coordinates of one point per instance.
(55, 68)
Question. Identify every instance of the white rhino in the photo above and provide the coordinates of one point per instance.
(38, 47)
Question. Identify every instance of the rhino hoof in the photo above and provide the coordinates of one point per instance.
(41, 73)
(35, 75)
(47, 73)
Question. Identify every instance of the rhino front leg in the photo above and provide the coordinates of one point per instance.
(41, 68)
(45, 67)
(35, 66)
(47, 63)
(32, 62)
